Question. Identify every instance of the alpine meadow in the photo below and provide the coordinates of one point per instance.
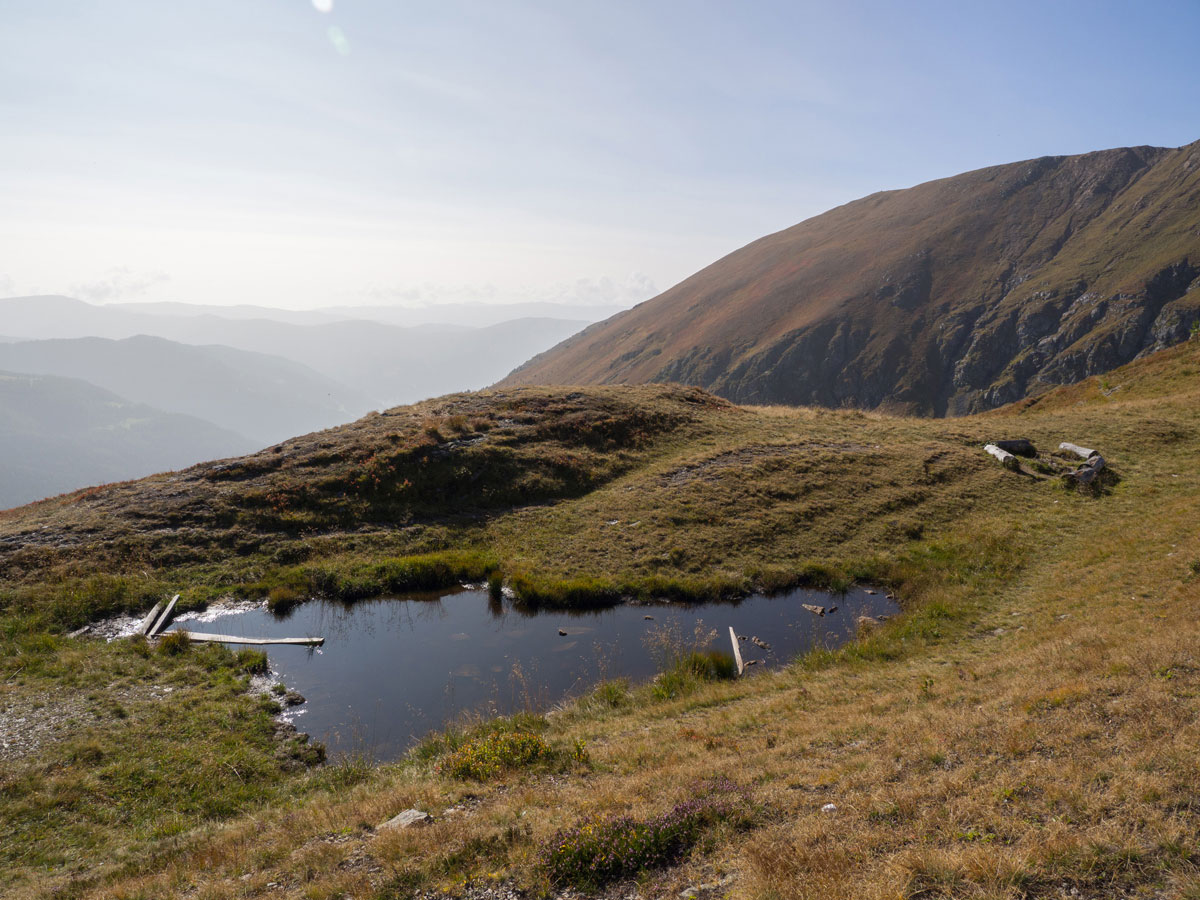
(600, 451)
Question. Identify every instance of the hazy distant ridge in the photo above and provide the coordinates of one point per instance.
(59, 434)
(390, 364)
(266, 398)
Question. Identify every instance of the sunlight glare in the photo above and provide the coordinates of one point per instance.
(338, 37)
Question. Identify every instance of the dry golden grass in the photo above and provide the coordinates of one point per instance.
(1030, 728)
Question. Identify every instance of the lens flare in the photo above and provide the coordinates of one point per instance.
(338, 38)
(323, 5)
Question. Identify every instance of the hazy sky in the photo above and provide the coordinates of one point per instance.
(300, 153)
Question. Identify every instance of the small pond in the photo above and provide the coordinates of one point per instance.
(393, 669)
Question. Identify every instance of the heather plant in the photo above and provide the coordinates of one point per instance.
(601, 851)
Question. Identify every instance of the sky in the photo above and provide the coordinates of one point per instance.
(310, 153)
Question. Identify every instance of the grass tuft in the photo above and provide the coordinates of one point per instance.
(174, 643)
(598, 852)
(692, 670)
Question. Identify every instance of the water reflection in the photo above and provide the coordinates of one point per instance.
(393, 669)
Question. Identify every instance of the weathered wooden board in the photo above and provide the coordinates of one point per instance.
(737, 650)
(1006, 459)
(202, 637)
(151, 618)
(164, 619)
(1083, 452)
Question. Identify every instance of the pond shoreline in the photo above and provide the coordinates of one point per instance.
(396, 668)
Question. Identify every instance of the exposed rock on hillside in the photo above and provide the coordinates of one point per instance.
(950, 297)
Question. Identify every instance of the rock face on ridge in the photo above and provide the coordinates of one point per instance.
(947, 298)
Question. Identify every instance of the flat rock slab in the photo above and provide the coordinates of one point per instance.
(410, 818)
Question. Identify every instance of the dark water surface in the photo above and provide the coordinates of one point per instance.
(393, 669)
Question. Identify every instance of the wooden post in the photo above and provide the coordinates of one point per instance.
(737, 651)
(164, 619)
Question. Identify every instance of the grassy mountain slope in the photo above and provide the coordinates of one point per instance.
(57, 434)
(532, 475)
(263, 397)
(1026, 728)
(953, 296)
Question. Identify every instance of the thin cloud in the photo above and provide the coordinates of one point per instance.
(118, 284)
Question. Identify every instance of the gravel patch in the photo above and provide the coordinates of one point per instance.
(27, 724)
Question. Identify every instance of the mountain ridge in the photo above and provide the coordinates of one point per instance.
(388, 363)
(266, 398)
(936, 299)
(59, 434)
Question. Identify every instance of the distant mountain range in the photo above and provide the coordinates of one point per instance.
(472, 315)
(389, 364)
(168, 385)
(58, 434)
(264, 398)
(954, 296)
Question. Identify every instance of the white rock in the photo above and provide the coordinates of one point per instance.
(407, 819)
(829, 808)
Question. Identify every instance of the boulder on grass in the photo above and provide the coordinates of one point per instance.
(410, 818)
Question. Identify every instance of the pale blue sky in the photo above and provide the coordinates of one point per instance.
(266, 151)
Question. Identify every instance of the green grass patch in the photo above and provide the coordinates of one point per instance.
(171, 742)
(692, 670)
(498, 752)
(358, 579)
(442, 743)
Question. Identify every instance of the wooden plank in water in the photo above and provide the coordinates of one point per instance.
(164, 618)
(201, 637)
(151, 618)
(737, 651)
